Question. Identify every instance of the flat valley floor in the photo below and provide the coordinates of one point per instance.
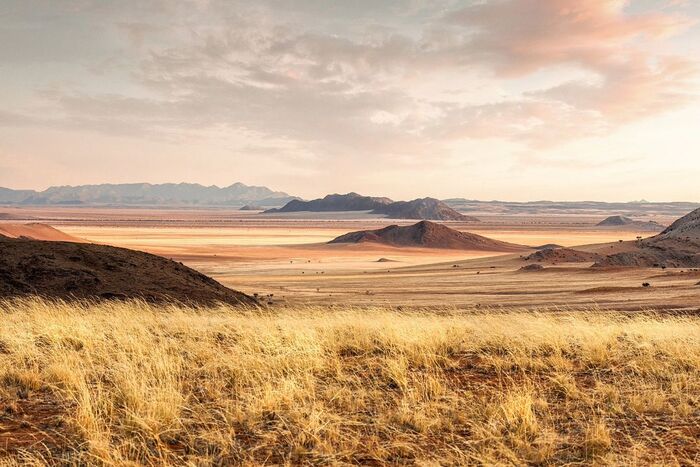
(286, 260)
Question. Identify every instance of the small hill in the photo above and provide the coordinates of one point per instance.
(424, 208)
(67, 270)
(532, 267)
(249, 207)
(36, 231)
(677, 246)
(548, 246)
(427, 234)
(562, 255)
(615, 221)
(335, 202)
(622, 221)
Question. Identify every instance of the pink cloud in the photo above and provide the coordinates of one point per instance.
(632, 88)
(521, 36)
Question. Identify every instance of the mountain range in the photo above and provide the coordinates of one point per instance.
(147, 194)
(422, 208)
(238, 195)
(594, 208)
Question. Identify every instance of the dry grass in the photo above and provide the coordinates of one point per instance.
(132, 384)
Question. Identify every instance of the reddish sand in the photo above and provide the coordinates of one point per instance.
(37, 231)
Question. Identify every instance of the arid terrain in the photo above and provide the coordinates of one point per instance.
(289, 257)
(338, 233)
(462, 343)
(131, 384)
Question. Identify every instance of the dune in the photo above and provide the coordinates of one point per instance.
(37, 231)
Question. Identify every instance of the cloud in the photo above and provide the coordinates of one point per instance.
(356, 87)
(517, 37)
(632, 88)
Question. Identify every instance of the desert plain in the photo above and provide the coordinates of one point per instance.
(286, 258)
(361, 354)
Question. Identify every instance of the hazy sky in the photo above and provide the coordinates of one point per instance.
(492, 99)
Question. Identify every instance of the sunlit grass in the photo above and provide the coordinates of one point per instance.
(161, 385)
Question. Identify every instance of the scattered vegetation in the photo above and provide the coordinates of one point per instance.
(123, 383)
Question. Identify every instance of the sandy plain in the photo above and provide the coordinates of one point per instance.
(287, 257)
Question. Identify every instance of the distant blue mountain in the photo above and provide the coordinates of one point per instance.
(147, 194)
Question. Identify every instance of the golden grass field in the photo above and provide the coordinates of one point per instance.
(436, 357)
(132, 384)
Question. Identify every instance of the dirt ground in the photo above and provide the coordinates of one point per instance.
(288, 258)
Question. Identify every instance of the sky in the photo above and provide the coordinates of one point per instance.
(491, 99)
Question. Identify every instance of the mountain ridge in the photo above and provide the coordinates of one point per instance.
(334, 202)
(171, 194)
(418, 209)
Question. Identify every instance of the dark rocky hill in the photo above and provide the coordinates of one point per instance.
(615, 221)
(677, 246)
(627, 222)
(66, 270)
(427, 234)
(419, 209)
(424, 208)
(335, 202)
(562, 255)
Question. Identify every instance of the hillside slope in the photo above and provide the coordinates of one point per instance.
(67, 270)
(677, 246)
(427, 234)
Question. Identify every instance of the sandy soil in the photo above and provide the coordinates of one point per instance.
(36, 232)
(288, 258)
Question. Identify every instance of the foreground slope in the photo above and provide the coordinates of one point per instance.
(68, 270)
(426, 234)
(125, 384)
